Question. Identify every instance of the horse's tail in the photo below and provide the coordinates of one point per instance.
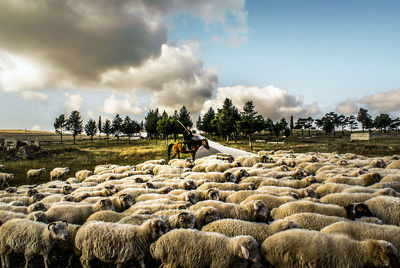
(169, 150)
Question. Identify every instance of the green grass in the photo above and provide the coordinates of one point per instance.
(85, 155)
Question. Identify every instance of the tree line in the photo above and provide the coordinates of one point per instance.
(227, 122)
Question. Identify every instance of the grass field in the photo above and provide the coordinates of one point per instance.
(85, 155)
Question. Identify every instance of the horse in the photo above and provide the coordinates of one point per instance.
(177, 148)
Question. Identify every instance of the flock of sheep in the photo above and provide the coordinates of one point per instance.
(276, 209)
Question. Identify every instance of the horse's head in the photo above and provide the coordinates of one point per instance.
(204, 142)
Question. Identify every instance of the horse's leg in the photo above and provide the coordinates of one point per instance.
(193, 153)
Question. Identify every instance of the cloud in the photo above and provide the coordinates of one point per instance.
(34, 95)
(175, 78)
(112, 105)
(35, 127)
(270, 101)
(73, 102)
(73, 43)
(384, 102)
(347, 107)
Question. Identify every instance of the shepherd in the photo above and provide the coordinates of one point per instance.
(190, 145)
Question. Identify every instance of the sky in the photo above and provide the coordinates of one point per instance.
(101, 57)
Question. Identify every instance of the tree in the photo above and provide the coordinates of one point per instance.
(301, 124)
(107, 128)
(249, 121)
(164, 126)
(130, 127)
(319, 123)
(343, 122)
(184, 117)
(352, 122)
(74, 124)
(226, 119)
(395, 123)
(335, 121)
(99, 125)
(308, 122)
(91, 129)
(206, 124)
(328, 122)
(151, 123)
(382, 121)
(275, 128)
(364, 118)
(291, 123)
(116, 127)
(60, 125)
(198, 123)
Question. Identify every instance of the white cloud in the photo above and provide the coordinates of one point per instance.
(269, 101)
(175, 78)
(91, 114)
(34, 95)
(35, 127)
(384, 102)
(112, 105)
(73, 102)
(347, 107)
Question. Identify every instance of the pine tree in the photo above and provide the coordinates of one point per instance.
(206, 124)
(249, 121)
(99, 125)
(184, 117)
(116, 127)
(130, 127)
(352, 122)
(151, 123)
(364, 118)
(226, 119)
(91, 129)
(107, 128)
(74, 124)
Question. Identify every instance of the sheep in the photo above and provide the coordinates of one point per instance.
(316, 221)
(35, 173)
(269, 200)
(157, 205)
(203, 249)
(205, 215)
(2, 167)
(386, 208)
(107, 216)
(304, 248)
(28, 237)
(330, 188)
(34, 216)
(395, 185)
(227, 186)
(294, 207)
(343, 199)
(185, 196)
(77, 214)
(303, 183)
(156, 161)
(117, 243)
(67, 247)
(303, 192)
(5, 178)
(123, 169)
(221, 167)
(122, 202)
(259, 231)
(362, 231)
(50, 199)
(249, 161)
(182, 163)
(38, 206)
(362, 180)
(25, 200)
(59, 173)
(237, 197)
(394, 165)
(213, 176)
(135, 192)
(83, 175)
(251, 211)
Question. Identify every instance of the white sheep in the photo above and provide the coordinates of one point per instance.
(203, 249)
(28, 237)
(271, 201)
(386, 208)
(212, 176)
(362, 180)
(303, 183)
(77, 214)
(35, 173)
(117, 243)
(5, 178)
(249, 161)
(227, 186)
(304, 248)
(259, 231)
(59, 173)
(82, 175)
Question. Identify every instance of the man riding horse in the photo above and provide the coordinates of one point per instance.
(187, 139)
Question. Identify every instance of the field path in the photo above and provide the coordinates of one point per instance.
(215, 147)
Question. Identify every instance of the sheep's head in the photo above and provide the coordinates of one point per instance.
(67, 189)
(258, 210)
(126, 201)
(251, 186)
(242, 174)
(149, 185)
(38, 206)
(309, 192)
(11, 190)
(189, 185)
(206, 215)
(185, 220)
(156, 228)
(40, 216)
(69, 198)
(246, 247)
(31, 192)
(165, 189)
(371, 178)
(37, 197)
(381, 253)
(281, 225)
(42, 170)
(191, 198)
(357, 211)
(105, 204)
(213, 194)
(229, 177)
(58, 230)
(110, 189)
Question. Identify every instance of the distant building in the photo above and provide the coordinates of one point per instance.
(14, 143)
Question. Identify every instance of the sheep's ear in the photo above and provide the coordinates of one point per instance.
(50, 226)
(245, 252)
(66, 223)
